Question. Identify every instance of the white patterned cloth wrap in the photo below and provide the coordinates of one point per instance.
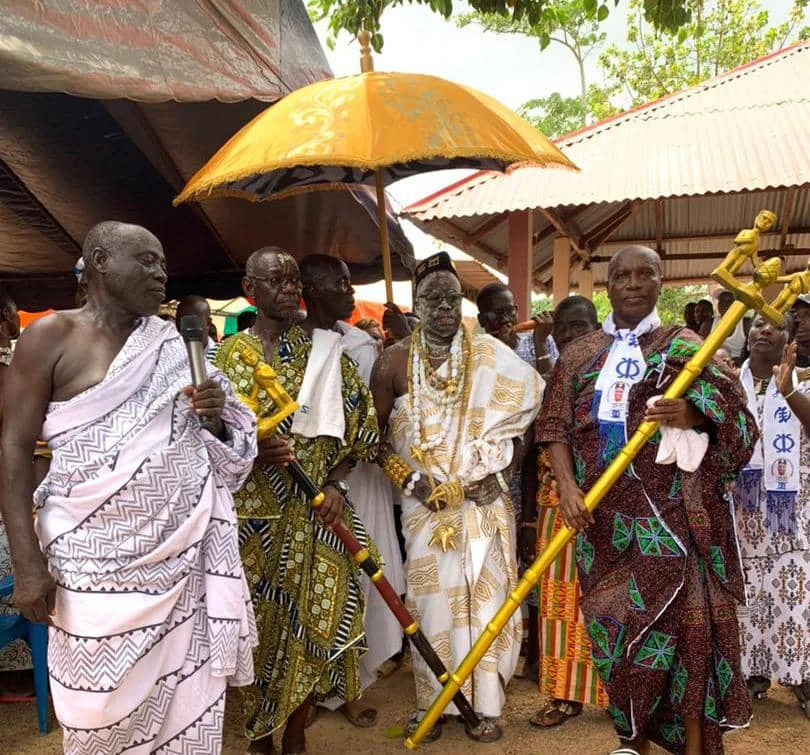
(153, 615)
(454, 595)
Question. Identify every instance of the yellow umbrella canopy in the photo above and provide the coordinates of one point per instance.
(370, 128)
(367, 128)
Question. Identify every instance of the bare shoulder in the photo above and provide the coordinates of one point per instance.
(47, 335)
(393, 359)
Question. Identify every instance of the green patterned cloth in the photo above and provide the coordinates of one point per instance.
(304, 585)
(659, 568)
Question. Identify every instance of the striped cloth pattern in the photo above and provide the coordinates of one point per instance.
(566, 672)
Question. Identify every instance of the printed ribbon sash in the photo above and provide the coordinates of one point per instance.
(624, 367)
(776, 455)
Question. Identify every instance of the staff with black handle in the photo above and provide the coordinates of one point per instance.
(267, 425)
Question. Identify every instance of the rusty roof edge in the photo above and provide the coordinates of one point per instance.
(425, 216)
(427, 208)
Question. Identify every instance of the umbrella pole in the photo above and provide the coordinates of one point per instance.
(386, 249)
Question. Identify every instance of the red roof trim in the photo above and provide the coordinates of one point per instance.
(445, 190)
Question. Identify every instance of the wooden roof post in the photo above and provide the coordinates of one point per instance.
(560, 268)
(585, 281)
(521, 261)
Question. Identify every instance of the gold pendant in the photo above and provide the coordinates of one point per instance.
(452, 386)
(418, 454)
(443, 537)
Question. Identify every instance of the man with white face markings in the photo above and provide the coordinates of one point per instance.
(456, 407)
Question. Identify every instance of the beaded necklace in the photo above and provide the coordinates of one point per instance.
(446, 393)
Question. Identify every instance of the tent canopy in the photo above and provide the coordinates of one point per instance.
(116, 105)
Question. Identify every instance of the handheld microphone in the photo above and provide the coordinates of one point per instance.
(192, 331)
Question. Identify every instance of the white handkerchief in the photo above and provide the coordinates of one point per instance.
(686, 448)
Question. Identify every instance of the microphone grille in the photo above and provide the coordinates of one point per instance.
(191, 328)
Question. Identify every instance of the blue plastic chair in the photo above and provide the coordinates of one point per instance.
(36, 635)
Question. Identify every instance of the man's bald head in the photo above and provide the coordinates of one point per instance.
(198, 307)
(257, 263)
(317, 268)
(633, 251)
(633, 284)
(113, 236)
(327, 289)
(273, 282)
(124, 266)
(193, 305)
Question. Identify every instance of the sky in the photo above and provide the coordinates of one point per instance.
(510, 68)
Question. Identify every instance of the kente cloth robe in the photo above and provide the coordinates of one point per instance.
(454, 594)
(304, 584)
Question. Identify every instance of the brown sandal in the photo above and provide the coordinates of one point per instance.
(554, 713)
(363, 716)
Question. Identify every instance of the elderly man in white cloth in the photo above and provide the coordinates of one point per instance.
(457, 407)
(134, 559)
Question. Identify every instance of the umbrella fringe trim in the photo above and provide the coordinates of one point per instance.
(208, 187)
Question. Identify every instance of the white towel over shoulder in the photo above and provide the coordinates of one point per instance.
(321, 394)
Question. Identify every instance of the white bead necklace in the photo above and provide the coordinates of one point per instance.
(425, 382)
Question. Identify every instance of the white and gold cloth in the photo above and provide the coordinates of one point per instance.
(453, 595)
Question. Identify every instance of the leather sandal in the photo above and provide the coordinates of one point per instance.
(757, 687)
(802, 693)
(431, 736)
(554, 713)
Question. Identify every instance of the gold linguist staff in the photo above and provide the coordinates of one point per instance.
(658, 560)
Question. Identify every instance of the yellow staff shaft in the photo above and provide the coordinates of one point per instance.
(532, 575)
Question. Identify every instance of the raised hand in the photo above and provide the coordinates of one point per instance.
(783, 372)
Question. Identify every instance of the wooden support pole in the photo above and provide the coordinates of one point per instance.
(520, 261)
(560, 268)
(787, 216)
(585, 281)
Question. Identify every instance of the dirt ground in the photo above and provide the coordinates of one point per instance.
(778, 726)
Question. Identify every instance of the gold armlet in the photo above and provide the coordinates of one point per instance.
(396, 469)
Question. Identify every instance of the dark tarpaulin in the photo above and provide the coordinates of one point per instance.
(152, 82)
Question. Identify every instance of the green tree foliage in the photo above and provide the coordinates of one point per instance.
(719, 35)
(354, 15)
(573, 24)
(556, 115)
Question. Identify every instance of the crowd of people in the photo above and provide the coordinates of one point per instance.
(173, 553)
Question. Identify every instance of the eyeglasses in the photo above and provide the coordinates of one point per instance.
(278, 281)
(453, 298)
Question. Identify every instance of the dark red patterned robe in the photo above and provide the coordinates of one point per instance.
(659, 569)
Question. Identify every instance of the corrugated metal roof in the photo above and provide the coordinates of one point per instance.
(748, 129)
(686, 172)
(473, 277)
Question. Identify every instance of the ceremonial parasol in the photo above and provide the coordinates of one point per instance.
(374, 129)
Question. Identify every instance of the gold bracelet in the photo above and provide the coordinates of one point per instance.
(791, 393)
(396, 469)
(448, 494)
